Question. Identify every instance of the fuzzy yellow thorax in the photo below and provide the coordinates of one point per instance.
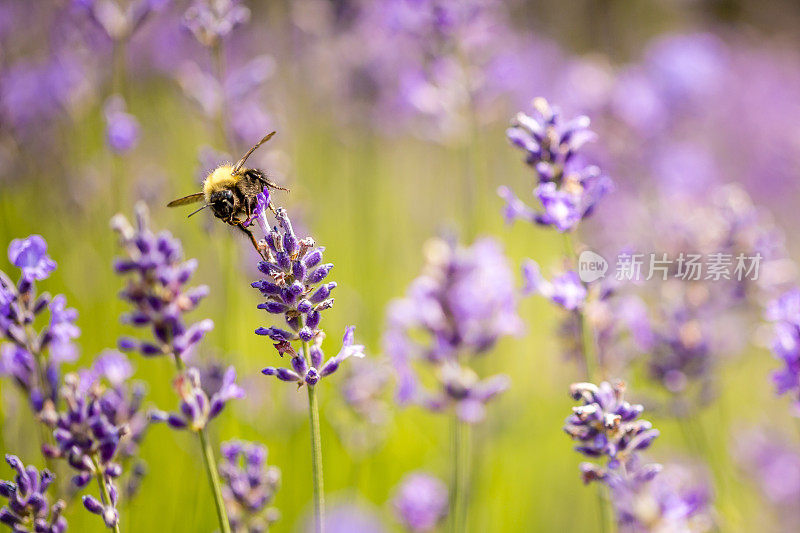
(220, 178)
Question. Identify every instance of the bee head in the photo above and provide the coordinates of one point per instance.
(222, 204)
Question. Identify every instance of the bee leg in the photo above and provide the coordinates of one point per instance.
(273, 185)
(259, 248)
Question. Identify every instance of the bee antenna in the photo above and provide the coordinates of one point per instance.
(198, 210)
(241, 162)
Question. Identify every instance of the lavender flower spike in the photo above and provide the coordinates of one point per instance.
(157, 279)
(567, 187)
(249, 486)
(420, 502)
(785, 313)
(89, 438)
(202, 398)
(293, 288)
(609, 429)
(30, 256)
(461, 305)
(27, 508)
(606, 425)
(566, 290)
(33, 358)
(212, 20)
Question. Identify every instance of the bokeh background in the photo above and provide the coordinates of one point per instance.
(389, 134)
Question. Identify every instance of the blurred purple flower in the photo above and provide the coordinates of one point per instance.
(785, 313)
(364, 422)
(461, 305)
(212, 20)
(249, 486)
(122, 128)
(566, 290)
(120, 21)
(673, 500)
(773, 462)
(34, 93)
(420, 502)
(28, 508)
(347, 517)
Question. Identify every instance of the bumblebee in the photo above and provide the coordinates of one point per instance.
(231, 192)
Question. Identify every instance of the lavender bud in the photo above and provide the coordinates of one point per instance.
(319, 274)
(93, 505)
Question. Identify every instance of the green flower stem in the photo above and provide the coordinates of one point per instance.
(591, 363)
(594, 370)
(211, 469)
(213, 478)
(105, 497)
(459, 476)
(316, 451)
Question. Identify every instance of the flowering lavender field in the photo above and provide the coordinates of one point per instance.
(534, 270)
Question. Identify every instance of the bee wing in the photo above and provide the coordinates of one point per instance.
(186, 200)
(241, 162)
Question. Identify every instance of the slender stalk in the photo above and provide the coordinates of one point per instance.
(213, 478)
(587, 343)
(118, 67)
(316, 452)
(105, 497)
(602, 507)
(211, 469)
(593, 369)
(459, 476)
(44, 436)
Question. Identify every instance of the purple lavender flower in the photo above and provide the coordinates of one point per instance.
(346, 517)
(420, 502)
(34, 94)
(117, 22)
(566, 290)
(32, 358)
(120, 400)
(202, 400)
(785, 313)
(88, 439)
(548, 142)
(237, 93)
(122, 128)
(362, 418)
(212, 20)
(644, 498)
(249, 486)
(156, 288)
(30, 256)
(773, 462)
(461, 305)
(673, 500)
(293, 288)
(28, 508)
(568, 188)
(607, 426)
